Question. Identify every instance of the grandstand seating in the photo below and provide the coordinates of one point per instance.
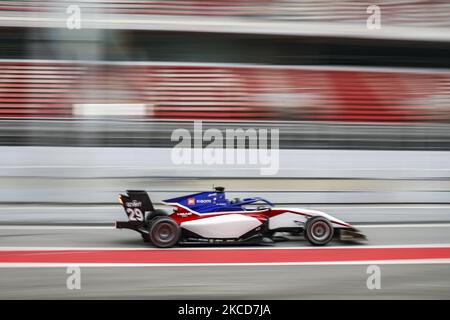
(50, 89)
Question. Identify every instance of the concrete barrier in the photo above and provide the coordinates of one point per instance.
(96, 175)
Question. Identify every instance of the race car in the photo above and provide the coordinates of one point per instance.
(209, 217)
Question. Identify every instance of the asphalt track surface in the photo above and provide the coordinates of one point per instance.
(414, 261)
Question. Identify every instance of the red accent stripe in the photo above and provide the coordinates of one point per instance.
(223, 256)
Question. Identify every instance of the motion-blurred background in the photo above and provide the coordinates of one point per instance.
(86, 113)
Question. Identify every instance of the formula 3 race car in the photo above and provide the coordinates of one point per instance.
(208, 217)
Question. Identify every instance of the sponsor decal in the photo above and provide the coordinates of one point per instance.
(183, 214)
(191, 201)
(134, 204)
(204, 201)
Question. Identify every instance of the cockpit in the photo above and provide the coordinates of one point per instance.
(205, 202)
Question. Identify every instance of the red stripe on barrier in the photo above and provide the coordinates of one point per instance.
(207, 256)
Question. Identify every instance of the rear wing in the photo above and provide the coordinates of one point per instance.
(136, 204)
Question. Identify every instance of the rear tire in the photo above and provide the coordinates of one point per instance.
(149, 218)
(164, 232)
(319, 231)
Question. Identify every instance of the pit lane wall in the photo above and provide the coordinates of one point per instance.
(79, 175)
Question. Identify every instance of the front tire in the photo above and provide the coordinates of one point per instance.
(319, 231)
(164, 232)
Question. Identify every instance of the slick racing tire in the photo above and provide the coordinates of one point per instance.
(164, 232)
(319, 231)
(149, 218)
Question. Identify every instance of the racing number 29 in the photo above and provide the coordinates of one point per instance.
(135, 214)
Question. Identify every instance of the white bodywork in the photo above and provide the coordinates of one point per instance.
(337, 223)
(286, 220)
(234, 225)
(223, 226)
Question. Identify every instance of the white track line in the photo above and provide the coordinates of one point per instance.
(329, 263)
(433, 245)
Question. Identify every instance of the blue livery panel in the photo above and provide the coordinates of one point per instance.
(206, 202)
